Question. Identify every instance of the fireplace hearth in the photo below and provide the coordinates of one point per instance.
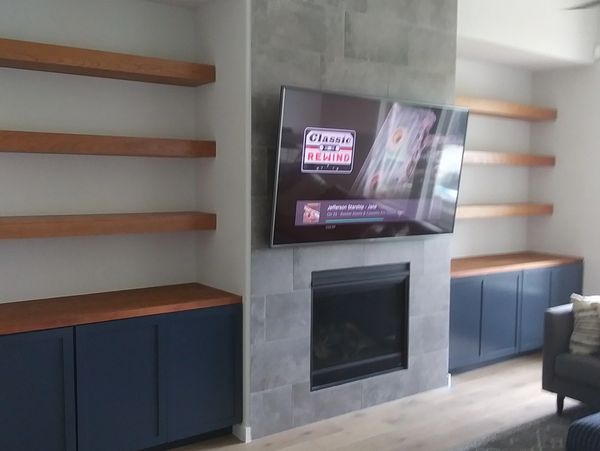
(359, 325)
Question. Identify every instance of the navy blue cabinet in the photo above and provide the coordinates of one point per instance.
(203, 359)
(535, 301)
(123, 385)
(465, 321)
(121, 381)
(37, 398)
(499, 315)
(566, 279)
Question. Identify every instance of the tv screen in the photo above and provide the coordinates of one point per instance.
(357, 168)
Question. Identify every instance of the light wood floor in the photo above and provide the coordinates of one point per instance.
(479, 403)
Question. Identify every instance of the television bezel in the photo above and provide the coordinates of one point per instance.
(283, 90)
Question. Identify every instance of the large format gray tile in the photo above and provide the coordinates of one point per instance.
(288, 315)
(437, 15)
(390, 386)
(277, 363)
(273, 67)
(317, 258)
(257, 319)
(355, 76)
(291, 24)
(429, 293)
(429, 333)
(406, 250)
(271, 411)
(432, 51)
(272, 271)
(326, 403)
(420, 85)
(377, 38)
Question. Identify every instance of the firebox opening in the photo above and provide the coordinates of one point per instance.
(359, 325)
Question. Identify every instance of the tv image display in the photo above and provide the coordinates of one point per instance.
(357, 168)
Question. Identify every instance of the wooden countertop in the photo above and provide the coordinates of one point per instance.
(488, 264)
(27, 316)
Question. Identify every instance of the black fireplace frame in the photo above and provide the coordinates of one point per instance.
(399, 272)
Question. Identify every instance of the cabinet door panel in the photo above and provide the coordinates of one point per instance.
(499, 315)
(535, 301)
(204, 371)
(120, 385)
(465, 321)
(37, 399)
(566, 279)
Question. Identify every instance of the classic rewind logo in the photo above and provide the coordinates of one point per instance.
(328, 151)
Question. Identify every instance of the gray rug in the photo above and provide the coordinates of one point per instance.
(545, 434)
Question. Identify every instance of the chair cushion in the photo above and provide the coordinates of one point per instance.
(578, 368)
(584, 434)
(586, 327)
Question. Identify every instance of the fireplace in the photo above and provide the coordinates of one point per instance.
(359, 324)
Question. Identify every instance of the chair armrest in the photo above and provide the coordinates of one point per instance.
(558, 327)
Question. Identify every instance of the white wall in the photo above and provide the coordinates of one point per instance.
(531, 33)
(224, 184)
(574, 184)
(52, 184)
(493, 184)
(223, 115)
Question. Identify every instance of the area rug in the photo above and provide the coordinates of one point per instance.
(544, 434)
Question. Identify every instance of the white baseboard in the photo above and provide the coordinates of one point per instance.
(244, 433)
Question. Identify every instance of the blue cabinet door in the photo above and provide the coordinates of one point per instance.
(566, 279)
(121, 402)
(535, 300)
(465, 321)
(37, 394)
(204, 371)
(500, 304)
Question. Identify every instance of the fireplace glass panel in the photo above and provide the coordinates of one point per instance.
(359, 323)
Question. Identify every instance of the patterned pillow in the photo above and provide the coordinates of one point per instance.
(585, 339)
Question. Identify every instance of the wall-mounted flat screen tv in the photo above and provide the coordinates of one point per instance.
(357, 168)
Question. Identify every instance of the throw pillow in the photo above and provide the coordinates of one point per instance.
(585, 339)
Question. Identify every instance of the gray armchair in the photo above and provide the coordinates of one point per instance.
(567, 375)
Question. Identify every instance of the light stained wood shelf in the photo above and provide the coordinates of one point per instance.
(479, 157)
(62, 143)
(503, 210)
(41, 314)
(77, 61)
(17, 227)
(500, 108)
(489, 264)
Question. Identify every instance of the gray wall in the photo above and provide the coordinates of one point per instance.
(398, 48)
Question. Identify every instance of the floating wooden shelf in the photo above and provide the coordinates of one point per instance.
(500, 108)
(41, 314)
(61, 143)
(503, 210)
(488, 264)
(95, 63)
(15, 227)
(478, 157)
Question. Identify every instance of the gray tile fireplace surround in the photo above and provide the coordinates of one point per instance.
(398, 48)
(280, 331)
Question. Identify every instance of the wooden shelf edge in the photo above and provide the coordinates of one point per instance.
(516, 261)
(479, 157)
(42, 314)
(503, 210)
(19, 227)
(74, 144)
(500, 108)
(78, 61)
